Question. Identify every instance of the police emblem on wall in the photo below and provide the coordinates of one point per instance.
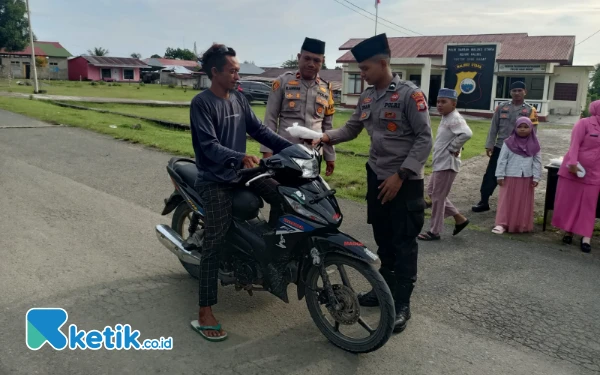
(470, 71)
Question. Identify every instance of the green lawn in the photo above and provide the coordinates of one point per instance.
(124, 90)
(348, 179)
(360, 145)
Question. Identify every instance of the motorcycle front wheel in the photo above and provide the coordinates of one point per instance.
(350, 317)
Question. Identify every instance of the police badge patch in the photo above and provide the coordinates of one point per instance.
(276, 85)
(419, 99)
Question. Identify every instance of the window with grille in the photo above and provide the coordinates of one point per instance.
(565, 91)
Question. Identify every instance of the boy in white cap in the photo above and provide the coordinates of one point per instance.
(452, 134)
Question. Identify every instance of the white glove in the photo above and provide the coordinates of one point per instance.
(303, 133)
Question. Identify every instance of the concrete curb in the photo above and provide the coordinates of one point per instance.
(164, 123)
(99, 100)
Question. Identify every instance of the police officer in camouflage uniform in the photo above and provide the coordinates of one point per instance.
(503, 124)
(302, 97)
(395, 114)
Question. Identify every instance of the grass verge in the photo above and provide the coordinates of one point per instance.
(360, 145)
(121, 90)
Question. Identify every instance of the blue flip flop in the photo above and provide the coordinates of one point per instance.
(200, 329)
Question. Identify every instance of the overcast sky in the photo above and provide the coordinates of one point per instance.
(271, 31)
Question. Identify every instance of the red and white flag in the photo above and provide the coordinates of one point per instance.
(377, 3)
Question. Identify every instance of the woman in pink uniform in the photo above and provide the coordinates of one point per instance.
(577, 197)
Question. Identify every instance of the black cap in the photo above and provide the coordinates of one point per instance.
(377, 45)
(314, 46)
(517, 85)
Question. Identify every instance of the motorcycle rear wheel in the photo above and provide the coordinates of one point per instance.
(178, 224)
(379, 336)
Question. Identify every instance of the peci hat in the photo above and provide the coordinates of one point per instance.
(314, 46)
(448, 93)
(517, 85)
(376, 45)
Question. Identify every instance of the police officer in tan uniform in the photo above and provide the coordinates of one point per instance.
(302, 97)
(395, 114)
(503, 124)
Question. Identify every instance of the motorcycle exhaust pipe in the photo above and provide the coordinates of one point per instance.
(173, 241)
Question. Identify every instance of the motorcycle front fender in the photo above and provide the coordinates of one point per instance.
(342, 243)
(339, 243)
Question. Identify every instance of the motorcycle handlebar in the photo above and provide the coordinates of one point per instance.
(250, 171)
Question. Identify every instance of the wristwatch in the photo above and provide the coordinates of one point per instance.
(403, 174)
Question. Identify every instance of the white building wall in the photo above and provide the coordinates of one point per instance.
(569, 74)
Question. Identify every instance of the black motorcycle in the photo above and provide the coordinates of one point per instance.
(305, 248)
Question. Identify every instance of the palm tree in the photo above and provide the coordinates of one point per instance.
(98, 51)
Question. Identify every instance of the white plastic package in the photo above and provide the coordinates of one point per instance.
(580, 171)
(556, 162)
(302, 132)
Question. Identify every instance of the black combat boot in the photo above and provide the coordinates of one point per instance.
(402, 304)
(482, 206)
(402, 316)
(369, 299)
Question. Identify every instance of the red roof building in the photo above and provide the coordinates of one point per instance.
(96, 68)
(481, 68)
(51, 56)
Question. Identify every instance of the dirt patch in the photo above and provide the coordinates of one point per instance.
(465, 191)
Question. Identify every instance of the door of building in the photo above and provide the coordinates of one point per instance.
(435, 84)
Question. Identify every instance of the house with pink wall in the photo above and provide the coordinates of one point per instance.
(97, 68)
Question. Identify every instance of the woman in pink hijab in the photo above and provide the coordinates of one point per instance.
(579, 181)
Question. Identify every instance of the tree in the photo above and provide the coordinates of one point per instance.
(338, 68)
(290, 64)
(155, 56)
(136, 55)
(595, 87)
(324, 65)
(14, 28)
(181, 54)
(41, 62)
(98, 51)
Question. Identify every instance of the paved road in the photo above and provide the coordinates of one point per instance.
(78, 212)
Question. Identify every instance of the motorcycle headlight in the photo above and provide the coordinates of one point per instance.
(304, 212)
(309, 167)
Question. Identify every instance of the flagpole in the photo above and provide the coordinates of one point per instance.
(376, 14)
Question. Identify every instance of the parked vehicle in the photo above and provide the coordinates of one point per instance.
(254, 91)
(307, 248)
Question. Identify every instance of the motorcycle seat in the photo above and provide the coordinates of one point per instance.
(188, 172)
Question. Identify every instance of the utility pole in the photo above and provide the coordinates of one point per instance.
(32, 46)
(376, 14)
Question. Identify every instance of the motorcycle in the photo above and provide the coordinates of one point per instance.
(305, 248)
